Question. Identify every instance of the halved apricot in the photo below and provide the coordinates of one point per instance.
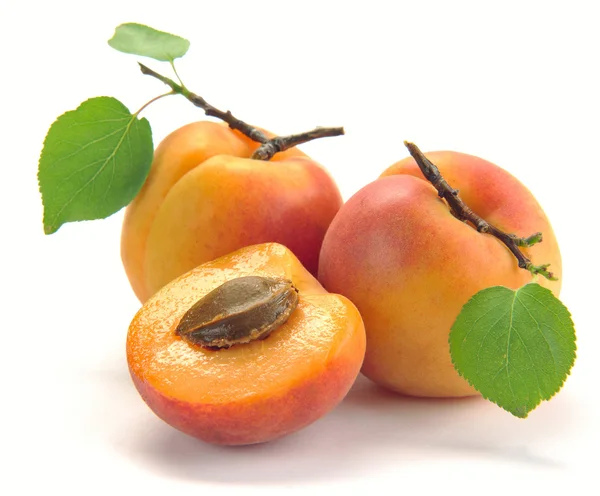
(253, 392)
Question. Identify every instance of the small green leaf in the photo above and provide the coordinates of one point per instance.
(94, 161)
(148, 42)
(515, 347)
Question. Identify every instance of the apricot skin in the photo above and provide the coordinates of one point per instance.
(205, 198)
(409, 266)
(250, 422)
(254, 392)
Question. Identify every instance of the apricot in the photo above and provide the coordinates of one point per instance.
(204, 198)
(253, 392)
(409, 265)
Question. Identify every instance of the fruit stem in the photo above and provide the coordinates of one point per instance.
(462, 212)
(269, 146)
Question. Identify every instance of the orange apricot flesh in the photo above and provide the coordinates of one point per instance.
(254, 392)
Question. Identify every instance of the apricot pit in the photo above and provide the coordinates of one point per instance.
(239, 311)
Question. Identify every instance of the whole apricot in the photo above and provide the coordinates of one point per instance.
(409, 265)
(259, 389)
(205, 197)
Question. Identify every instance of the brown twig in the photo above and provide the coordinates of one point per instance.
(234, 123)
(280, 143)
(269, 147)
(462, 212)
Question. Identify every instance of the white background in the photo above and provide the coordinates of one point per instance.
(513, 82)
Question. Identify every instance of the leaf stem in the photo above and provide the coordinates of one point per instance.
(462, 212)
(152, 101)
(269, 146)
(176, 73)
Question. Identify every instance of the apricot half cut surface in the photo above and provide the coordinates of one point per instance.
(253, 392)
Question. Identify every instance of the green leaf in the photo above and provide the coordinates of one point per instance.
(94, 161)
(515, 347)
(148, 42)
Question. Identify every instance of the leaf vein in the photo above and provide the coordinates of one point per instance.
(485, 337)
(554, 361)
(481, 317)
(559, 317)
(100, 169)
(83, 147)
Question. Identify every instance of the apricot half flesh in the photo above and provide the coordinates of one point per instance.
(254, 392)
